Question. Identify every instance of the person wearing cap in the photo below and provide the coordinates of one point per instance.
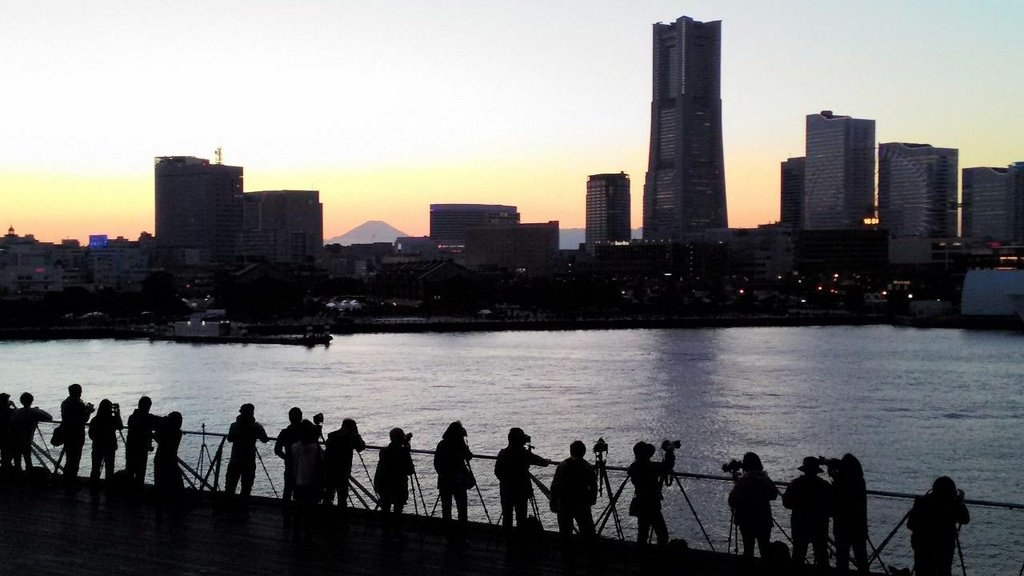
(74, 415)
(243, 434)
(750, 500)
(512, 468)
(646, 476)
(934, 524)
(810, 498)
(574, 492)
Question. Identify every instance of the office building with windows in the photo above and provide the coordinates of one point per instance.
(792, 192)
(608, 205)
(684, 189)
(839, 172)
(917, 190)
(449, 222)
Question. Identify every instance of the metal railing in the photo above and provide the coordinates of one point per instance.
(695, 505)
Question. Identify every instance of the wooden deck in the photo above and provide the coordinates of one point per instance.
(43, 532)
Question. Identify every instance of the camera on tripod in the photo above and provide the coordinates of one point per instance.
(830, 464)
(734, 467)
(670, 445)
(600, 449)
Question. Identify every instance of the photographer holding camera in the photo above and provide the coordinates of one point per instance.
(286, 438)
(451, 462)
(103, 433)
(648, 477)
(934, 521)
(750, 500)
(512, 468)
(74, 415)
(391, 479)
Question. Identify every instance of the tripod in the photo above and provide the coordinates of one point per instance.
(604, 484)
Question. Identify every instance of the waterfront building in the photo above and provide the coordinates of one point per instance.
(990, 205)
(864, 251)
(684, 190)
(839, 172)
(283, 226)
(118, 264)
(791, 195)
(917, 190)
(449, 222)
(608, 204)
(30, 268)
(198, 210)
(526, 249)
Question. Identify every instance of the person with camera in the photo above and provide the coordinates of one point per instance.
(750, 500)
(849, 512)
(103, 433)
(648, 477)
(23, 425)
(74, 415)
(574, 492)
(512, 469)
(935, 521)
(282, 448)
(341, 443)
(451, 462)
(810, 498)
(139, 442)
(243, 434)
(391, 479)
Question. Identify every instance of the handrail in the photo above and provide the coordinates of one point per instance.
(676, 474)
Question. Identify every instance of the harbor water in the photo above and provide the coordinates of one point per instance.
(911, 404)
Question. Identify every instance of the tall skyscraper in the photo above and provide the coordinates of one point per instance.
(993, 200)
(792, 193)
(449, 222)
(917, 190)
(684, 190)
(608, 208)
(198, 210)
(283, 226)
(839, 172)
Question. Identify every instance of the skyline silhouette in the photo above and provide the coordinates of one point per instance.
(388, 109)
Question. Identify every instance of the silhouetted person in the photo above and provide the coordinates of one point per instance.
(282, 447)
(934, 522)
(850, 513)
(513, 471)
(391, 479)
(139, 443)
(103, 433)
(647, 478)
(307, 466)
(74, 415)
(574, 491)
(451, 461)
(6, 454)
(340, 445)
(245, 431)
(166, 474)
(750, 500)
(23, 426)
(810, 498)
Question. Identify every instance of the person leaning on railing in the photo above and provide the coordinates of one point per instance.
(512, 468)
(23, 425)
(647, 478)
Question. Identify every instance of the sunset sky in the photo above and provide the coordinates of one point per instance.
(386, 107)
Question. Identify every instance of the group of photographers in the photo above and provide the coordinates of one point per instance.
(313, 475)
(934, 519)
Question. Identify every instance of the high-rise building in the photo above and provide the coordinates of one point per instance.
(993, 204)
(285, 226)
(198, 210)
(917, 190)
(839, 172)
(521, 249)
(608, 208)
(684, 190)
(792, 193)
(449, 222)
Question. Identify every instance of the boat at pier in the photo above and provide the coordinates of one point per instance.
(212, 327)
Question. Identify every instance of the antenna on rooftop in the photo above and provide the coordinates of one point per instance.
(218, 156)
